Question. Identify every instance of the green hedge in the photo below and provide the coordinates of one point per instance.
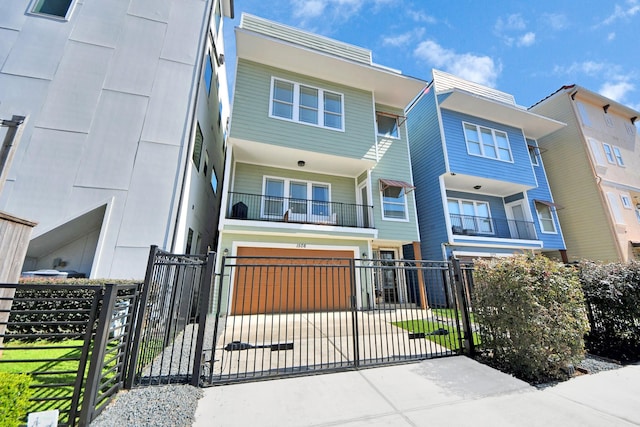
(14, 395)
(531, 314)
(612, 292)
(56, 302)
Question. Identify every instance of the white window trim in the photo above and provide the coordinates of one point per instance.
(540, 219)
(475, 211)
(406, 209)
(287, 195)
(608, 153)
(389, 115)
(626, 201)
(495, 142)
(296, 105)
(72, 7)
(618, 217)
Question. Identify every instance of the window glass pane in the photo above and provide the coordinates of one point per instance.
(283, 99)
(471, 133)
(320, 192)
(583, 114)
(393, 199)
(274, 204)
(488, 144)
(608, 153)
(298, 195)
(320, 195)
(208, 73)
(474, 148)
(616, 151)
(482, 209)
(533, 156)
(308, 105)
(502, 140)
(454, 207)
(197, 148)
(387, 126)
(53, 7)
(333, 103)
(333, 121)
(546, 219)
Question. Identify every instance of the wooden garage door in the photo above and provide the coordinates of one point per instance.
(290, 281)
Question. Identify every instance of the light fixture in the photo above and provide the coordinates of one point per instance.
(301, 163)
(225, 252)
(364, 255)
(638, 206)
(477, 187)
(606, 107)
(633, 120)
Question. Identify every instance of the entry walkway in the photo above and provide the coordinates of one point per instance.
(454, 391)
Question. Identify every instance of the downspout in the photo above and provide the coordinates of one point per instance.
(194, 106)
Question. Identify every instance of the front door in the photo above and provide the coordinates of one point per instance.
(389, 278)
(519, 227)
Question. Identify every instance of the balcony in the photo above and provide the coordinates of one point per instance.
(502, 228)
(258, 207)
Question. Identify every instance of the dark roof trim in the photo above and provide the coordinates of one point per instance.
(548, 203)
(386, 183)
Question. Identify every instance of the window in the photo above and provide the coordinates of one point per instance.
(394, 203)
(583, 114)
(608, 120)
(187, 249)
(626, 201)
(608, 152)
(387, 125)
(306, 104)
(615, 208)
(197, 148)
(214, 180)
(470, 216)
(631, 130)
(303, 200)
(486, 142)
(533, 155)
(59, 8)
(208, 73)
(545, 218)
(616, 152)
(597, 152)
(638, 214)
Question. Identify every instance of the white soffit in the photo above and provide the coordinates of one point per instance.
(534, 125)
(389, 88)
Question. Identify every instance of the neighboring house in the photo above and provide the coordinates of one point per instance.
(481, 188)
(593, 167)
(318, 162)
(123, 147)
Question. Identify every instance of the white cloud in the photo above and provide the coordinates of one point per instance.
(589, 68)
(307, 9)
(420, 16)
(479, 69)
(611, 36)
(630, 9)
(511, 23)
(527, 39)
(404, 38)
(617, 90)
(555, 20)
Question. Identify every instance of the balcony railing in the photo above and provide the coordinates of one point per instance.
(492, 227)
(258, 207)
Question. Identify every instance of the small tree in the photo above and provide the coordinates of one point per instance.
(532, 315)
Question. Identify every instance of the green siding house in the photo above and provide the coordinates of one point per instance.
(318, 161)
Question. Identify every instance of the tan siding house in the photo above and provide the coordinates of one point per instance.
(593, 169)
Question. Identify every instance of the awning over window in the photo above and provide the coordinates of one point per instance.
(548, 203)
(386, 183)
(635, 244)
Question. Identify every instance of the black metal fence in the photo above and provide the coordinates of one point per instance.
(260, 207)
(171, 324)
(497, 227)
(295, 316)
(73, 340)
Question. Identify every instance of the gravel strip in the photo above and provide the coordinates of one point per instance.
(159, 406)
(593, 364)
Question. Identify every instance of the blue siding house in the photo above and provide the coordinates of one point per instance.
(481, 189)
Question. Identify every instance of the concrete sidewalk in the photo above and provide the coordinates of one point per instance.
(454, 391)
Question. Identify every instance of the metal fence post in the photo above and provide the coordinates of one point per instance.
(354, 313)
(463, 307)
(203, 311)
(97, 356)
(141, 310)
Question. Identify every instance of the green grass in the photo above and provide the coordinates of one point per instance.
(449, 313)
(43, 356)
(450, 340)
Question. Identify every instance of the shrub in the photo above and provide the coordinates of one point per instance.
(14, 395)
(612, 292)
(48, 310)
(532, 316)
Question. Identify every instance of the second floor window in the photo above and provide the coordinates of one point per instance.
(306, 104)
(485, 142)
(387, 125)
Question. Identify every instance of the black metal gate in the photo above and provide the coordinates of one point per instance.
(170, 326)
(297, 316)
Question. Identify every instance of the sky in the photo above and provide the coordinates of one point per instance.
(525, 48)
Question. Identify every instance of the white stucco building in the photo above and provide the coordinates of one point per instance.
(123, 148)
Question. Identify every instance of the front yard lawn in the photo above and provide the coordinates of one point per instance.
(450, 340)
